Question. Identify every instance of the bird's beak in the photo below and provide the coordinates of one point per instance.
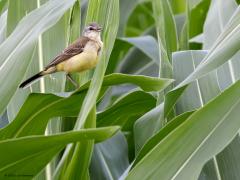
(99, 29)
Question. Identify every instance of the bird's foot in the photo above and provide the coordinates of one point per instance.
(72, 81)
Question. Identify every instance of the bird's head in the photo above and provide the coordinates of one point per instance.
(92, 31)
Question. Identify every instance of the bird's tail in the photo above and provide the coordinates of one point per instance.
(37, 76)
(30, 80)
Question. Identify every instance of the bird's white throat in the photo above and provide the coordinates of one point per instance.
(93, 35)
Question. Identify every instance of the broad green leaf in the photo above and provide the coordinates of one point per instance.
(39, 147)
(110, 158)
(16, 11)
(154, 140)
(197, 94)
(33, 119)
(225, 47)
(183, 65)
(194, 142)
(18, 47)
(144, 82)
(37, 110)
(50, 43)
(218, 17)
(126, 110)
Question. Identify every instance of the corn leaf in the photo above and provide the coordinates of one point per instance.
(18, 47)
(41, 149)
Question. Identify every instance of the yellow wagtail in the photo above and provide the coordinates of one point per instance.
(81, 55)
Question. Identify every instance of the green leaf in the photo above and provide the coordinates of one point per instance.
(167, 35)
(85, 149)
(3, 24)
(146, 126)
(126, 8)
(197, 18)
(144, 82)
(20, 162)
(50, 43)
(126, 110)
(140, 58)
(154, 140)
(18, 47)
(178, 6)
(110, 158)
(137, 26)
(197, 94)
(193, 143)
(225, 47)
(16, 11)
(147, 44)
(222, 12)
(33, 119)
(120, 48)
(218, 16)
(3, 3)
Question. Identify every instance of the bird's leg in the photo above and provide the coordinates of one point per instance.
(72, 80)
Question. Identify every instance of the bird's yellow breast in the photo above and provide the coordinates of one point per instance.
(81, 62)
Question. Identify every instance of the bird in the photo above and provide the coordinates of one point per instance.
(83, 54)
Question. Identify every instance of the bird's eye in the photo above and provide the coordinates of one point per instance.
(91, 28)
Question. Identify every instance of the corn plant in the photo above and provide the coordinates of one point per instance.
(162, 103)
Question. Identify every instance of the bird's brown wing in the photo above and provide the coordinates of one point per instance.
(72, 50)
